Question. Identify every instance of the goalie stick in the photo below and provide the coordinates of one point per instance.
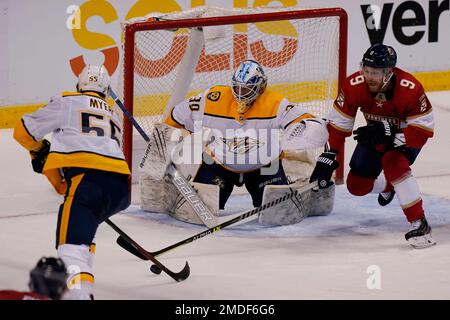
(177, 276)
(291, 195)
(180, 182)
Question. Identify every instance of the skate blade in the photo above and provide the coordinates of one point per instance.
(422, 241)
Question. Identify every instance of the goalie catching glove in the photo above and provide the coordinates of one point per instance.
(326, 164)
(39, 157)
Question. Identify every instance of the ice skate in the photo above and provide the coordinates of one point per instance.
(419, 234)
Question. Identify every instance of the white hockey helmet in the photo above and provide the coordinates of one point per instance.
(249, 82)
(94, 78)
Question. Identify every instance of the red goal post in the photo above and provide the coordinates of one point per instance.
(309, 71)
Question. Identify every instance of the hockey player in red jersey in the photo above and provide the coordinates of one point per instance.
(47, 282)
(399, 122)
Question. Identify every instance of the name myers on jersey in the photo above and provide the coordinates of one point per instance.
(99, 104)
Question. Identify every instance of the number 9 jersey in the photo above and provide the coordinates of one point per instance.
(405, 106)
(86, 133)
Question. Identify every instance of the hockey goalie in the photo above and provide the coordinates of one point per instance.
(234, 136)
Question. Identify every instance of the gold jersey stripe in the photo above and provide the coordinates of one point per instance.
(78, 278)
(172, 122)
(23, 136)
(86, 93)
(303, 116)
(65, 216)
(86, 160)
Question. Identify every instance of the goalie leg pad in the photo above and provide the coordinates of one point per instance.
(306, 203)
(158, 154)
(208, 193)
(286, 212)
(157, 196)
(321, 201)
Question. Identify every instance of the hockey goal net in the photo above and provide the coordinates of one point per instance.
(170, 57)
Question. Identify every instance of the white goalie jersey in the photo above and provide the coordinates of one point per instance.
(249, 141)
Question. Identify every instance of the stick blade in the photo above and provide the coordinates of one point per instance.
(183, 274)
(179, 276)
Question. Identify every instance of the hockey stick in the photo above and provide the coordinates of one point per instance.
(292, 195)
(180, 182)
(177, 276)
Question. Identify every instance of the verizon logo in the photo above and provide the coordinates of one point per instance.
(408, 20)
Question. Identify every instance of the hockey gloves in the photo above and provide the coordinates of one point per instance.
(325, 165)
(376, 133)
(39, 157)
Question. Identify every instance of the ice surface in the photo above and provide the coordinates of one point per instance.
(319, 258)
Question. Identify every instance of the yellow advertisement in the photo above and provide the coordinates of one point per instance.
(107, 45)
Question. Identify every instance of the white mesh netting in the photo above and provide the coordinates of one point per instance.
(300, 57)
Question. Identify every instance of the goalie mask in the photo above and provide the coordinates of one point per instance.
(94, 78)
(249, 82)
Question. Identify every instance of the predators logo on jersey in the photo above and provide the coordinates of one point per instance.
(242, 145)
(214, 96)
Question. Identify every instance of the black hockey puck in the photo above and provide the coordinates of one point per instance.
(155, 269)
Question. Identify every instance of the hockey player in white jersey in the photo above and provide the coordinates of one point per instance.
(85, 134)
(246, 120)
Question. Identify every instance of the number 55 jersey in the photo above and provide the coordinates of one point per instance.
(86, 133)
